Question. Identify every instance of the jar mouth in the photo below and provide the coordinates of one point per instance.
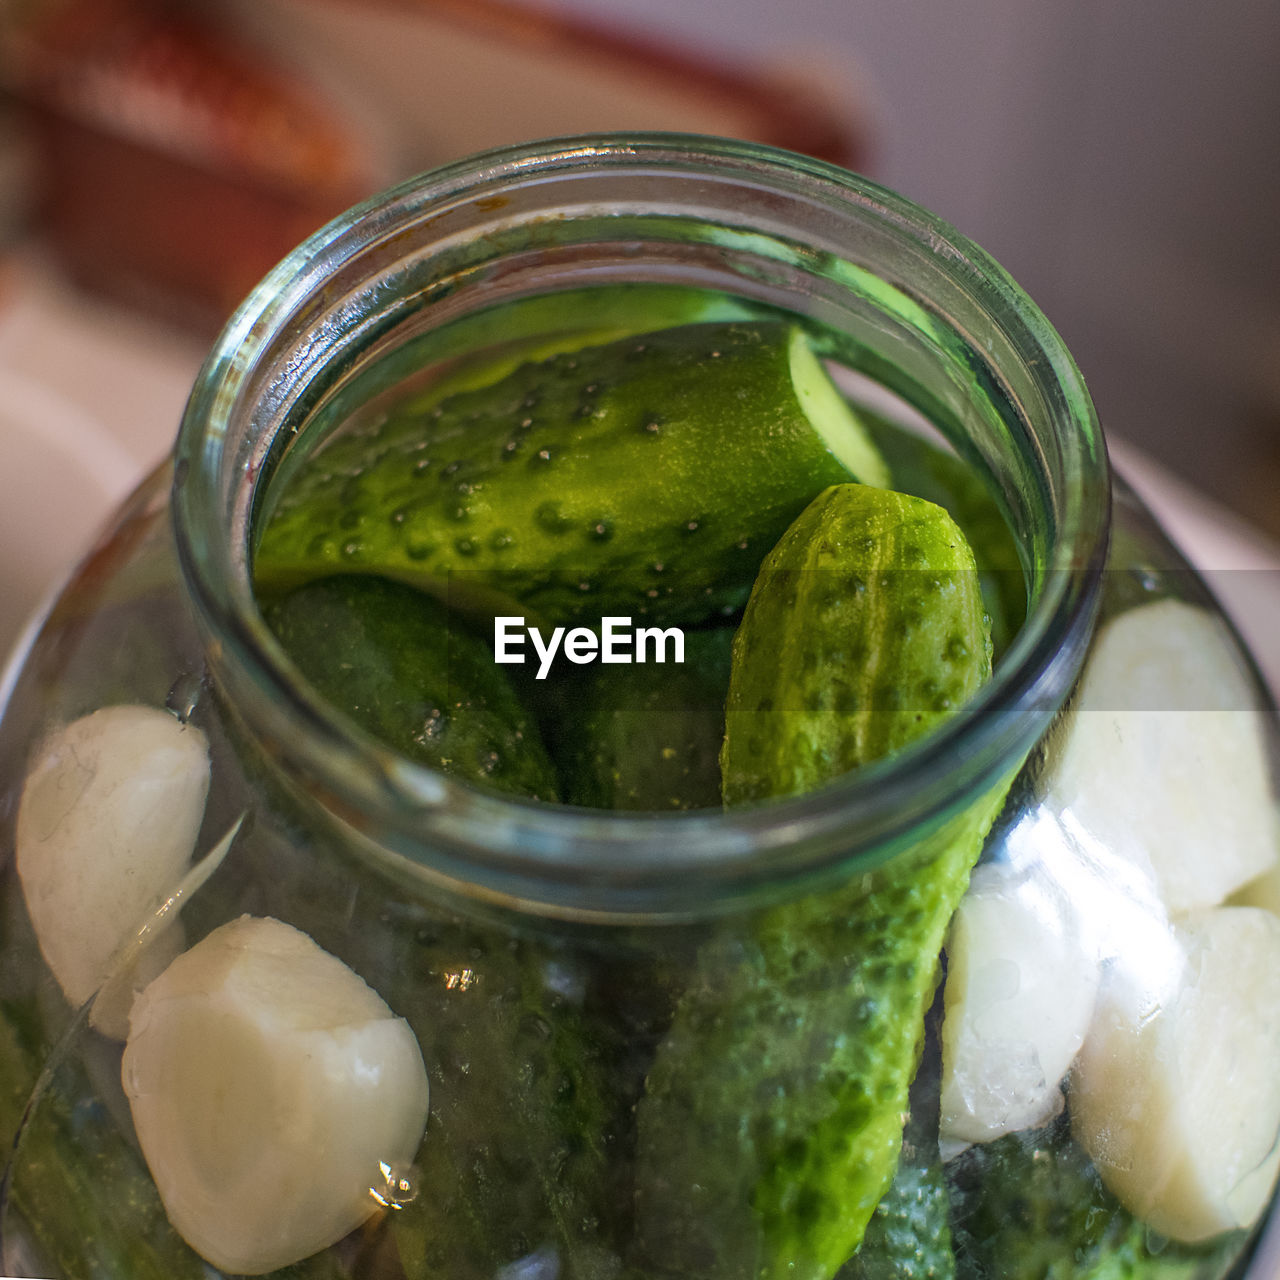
(255, 387)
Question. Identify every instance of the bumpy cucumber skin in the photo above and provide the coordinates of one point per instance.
(648, 736)
(79, 1187)
(482, 348)
(908, 1237)
(645, 477)
(1031, 1206)
(396, 662)
(773, 1114)
(922, 469)
(545, 325)
(909, 1234)
(865, 629)
(75, 1186)
(518, 1154)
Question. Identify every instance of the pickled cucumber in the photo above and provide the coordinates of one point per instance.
(516, 1162)
(909, 1234)
(513, 333)
(772, 1122)
(78, 1185)
(772, 1119)
(413, 676)
(1031, 1206)
(927, 471)
(648, 736)
(908, 1237)
(864, 630)
(647, 477)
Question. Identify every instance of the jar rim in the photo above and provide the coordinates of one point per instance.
(589, 863)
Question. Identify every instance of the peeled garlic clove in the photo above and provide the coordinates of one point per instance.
(106, 827)
(1164, 759)
(1175, 1094)
(1021, 983)
(268, 1085)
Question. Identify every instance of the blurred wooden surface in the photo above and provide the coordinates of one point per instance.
(756, 101)
(180, 150)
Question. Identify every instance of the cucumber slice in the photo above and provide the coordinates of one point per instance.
(833, 419)
(644, 477)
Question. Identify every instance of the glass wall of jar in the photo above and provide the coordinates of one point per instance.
(279, 995)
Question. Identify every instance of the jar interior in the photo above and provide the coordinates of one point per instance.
(917, 327)
(890, 353)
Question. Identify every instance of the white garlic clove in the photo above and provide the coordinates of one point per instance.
(1177, 1098)
(1164, 759)
(268, 1084)
(107, 824)
(1021, 984)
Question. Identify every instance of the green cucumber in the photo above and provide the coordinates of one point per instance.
(772, 1118)
(512, 333)
(647, 736)
(864, 630)
(772, 1122)
(909, 1234)
(414, 677)
(643, 477)
(482, 348)
(923, 469)
(1031, 1206)
(908, 1237)
(77, 1185)
(517, 1156)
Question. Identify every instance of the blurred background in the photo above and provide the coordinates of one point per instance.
(157, 156)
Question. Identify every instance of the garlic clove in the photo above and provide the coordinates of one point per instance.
(1175, 1096)
(1020, 990)
(269, 1087)
(107, 824)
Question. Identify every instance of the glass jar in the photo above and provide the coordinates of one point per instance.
(698, 1044)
